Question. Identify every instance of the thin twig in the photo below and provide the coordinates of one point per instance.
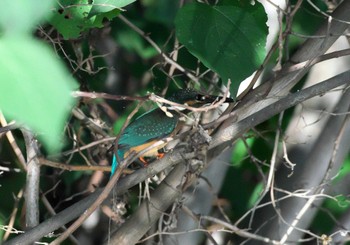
(13, 143)
(269, 54)
(156, 47)
(214, 105)
(240, 232)
(13, 215)
(104, 194)
(67, 167)
(94, 95)
(154, 98)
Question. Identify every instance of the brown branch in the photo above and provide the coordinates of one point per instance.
(45, 162)
(94, 95)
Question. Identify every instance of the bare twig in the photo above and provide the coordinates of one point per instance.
(154, 98)
(87, 146)
(278, 44)
(156, 47)
(104, 194)
(214, 105)
(94, 95)
(13, 143)
(240, 232)
(89, 122)
(44, 161)
(13, 214)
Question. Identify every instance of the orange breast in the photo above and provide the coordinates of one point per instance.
(151, 153)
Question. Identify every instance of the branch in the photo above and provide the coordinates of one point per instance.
(74, 211)
(33, 179)
(146, 208)
(149, 212)
(232, 132)
(156, 47)
(310, 50)
(94, 95)
(12, 140)
(255, 104)
(172, 159)
(323, 162)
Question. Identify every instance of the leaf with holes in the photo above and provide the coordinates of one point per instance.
(72, 18)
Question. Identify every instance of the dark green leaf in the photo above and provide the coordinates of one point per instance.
(228, 38)
(161, 11)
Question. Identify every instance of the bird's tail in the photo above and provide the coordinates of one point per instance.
(115, 162)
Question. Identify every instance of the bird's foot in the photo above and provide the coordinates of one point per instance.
(144, 162)
(160, 155)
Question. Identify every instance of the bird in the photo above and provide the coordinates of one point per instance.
(156, 124)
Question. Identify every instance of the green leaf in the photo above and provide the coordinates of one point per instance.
(73, 17)
(17, 17)
(103, 6)
(98, 19)
(70, 19)
(35, 88)
(228, 38)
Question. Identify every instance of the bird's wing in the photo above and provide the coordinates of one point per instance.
(147, 127)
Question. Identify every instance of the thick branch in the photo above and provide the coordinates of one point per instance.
(149, 212)
(33, 180)
(310, 50)
(231, 133)
(134, 233)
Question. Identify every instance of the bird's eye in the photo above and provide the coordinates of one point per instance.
(200, 97)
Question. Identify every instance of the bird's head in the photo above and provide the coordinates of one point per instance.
(194, 98)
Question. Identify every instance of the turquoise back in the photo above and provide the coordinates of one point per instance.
(149, 126)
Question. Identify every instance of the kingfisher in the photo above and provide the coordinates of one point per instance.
(158, 123)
